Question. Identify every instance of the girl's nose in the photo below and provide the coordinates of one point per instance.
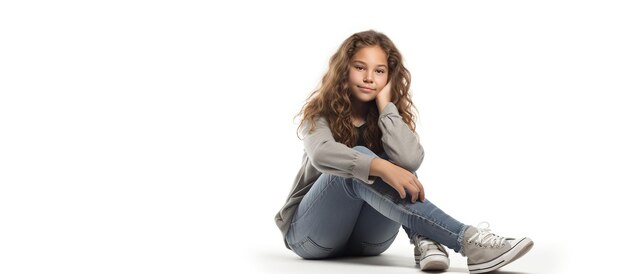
(368, 78)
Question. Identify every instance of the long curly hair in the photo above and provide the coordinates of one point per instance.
(332, 99)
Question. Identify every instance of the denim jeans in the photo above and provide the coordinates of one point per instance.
(342, 216)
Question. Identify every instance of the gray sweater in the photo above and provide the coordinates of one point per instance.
(322, 154)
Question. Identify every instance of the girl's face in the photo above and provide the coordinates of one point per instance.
(368, 73)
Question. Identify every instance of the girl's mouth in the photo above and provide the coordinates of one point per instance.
(366, 89)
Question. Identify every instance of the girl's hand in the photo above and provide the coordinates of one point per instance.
(383, 97)
(399, 178)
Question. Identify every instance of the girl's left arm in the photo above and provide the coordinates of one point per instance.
(401, 144)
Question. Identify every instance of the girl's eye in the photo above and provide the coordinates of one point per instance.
(380, 71)
(359, 68)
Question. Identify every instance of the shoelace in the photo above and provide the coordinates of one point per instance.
(485, 237)
(428, 244)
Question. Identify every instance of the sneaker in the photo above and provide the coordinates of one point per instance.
(486, 251)
(430, 255)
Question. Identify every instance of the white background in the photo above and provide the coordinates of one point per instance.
(158, 136)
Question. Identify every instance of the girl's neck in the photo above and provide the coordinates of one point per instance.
(359, 112)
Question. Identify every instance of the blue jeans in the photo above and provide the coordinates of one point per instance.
(342, 216)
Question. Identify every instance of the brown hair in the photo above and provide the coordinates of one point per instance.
(332, 99)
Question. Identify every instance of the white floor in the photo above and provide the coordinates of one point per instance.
(398, 259)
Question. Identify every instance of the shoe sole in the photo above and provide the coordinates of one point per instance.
(516, 252)
(433, 262)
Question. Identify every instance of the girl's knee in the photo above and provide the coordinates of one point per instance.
(367, 151)
(364, 150)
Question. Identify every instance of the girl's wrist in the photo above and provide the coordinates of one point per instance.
(381, 104)
(377, 167)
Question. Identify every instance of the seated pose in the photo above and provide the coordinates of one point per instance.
(357, 185)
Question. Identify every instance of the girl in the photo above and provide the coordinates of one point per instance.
(357, 184)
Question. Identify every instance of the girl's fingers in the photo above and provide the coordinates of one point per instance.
(414, 193)
(412, 190)
(401, 191)
(422, 192)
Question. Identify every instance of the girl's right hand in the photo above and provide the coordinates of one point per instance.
(399, 178)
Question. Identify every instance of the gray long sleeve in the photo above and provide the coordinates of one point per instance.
(400, 143)
(329, 156)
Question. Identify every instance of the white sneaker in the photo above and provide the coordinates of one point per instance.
(430, 255)
(487, 251)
